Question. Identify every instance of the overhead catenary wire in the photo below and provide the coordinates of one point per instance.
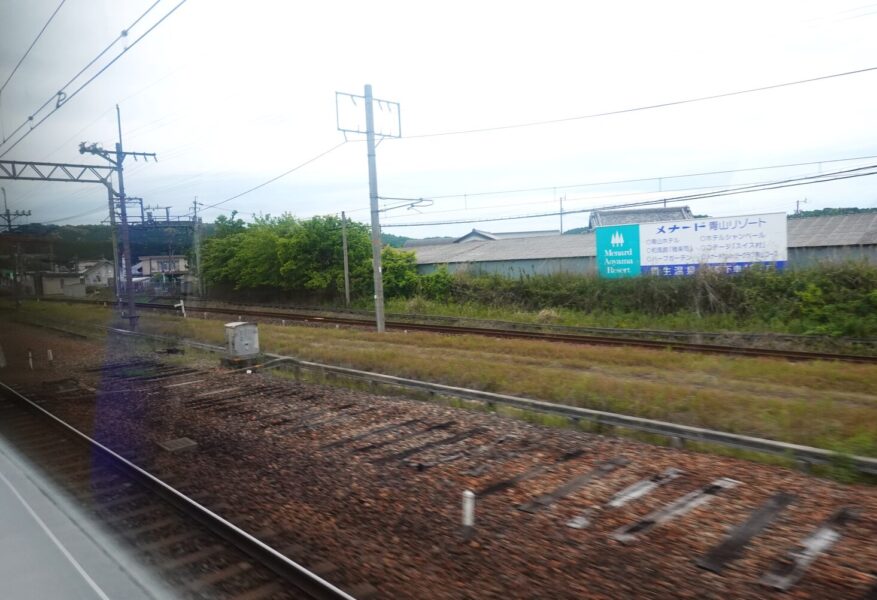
(32, 44)
(548, 188)
(62, 97)
(809, 180)
(18, 64)
(273, 179)
(101, 208)
(642, 108)
(566, 199)
(54, 96)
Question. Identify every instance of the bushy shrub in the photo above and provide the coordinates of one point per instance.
(829, 298)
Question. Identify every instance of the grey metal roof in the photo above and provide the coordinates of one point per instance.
(839, 230)
(555, 246)
(600, 218)
(433, 241)
(501, 235)
(843, 230)
(475, 235)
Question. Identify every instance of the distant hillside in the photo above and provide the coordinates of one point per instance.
(66, 243)
(396, 241)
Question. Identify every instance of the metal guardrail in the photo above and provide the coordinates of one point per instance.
(806, 454)
(310, 583)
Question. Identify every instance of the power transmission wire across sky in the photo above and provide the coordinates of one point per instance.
(523, 110)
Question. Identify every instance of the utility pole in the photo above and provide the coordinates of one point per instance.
(117, 159)
(114, 232)
(391, 108)
(10, 217)
(561, 215)
(126, 233)
(798, 204)
(346, 265)
(196, 241)
(17, 276)
(375, 212)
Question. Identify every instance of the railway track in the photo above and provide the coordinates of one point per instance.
(602, 340)
(663, 512)
(605, 421)
(197, 552)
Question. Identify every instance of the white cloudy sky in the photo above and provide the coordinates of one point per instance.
(230, 94)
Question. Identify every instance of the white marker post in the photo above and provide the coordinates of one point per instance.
(468, 514)
(181, 306)
(51, 357)
(30, 359)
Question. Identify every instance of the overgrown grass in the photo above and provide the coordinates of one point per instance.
(681, 321)
(831, 299)
(820, 404)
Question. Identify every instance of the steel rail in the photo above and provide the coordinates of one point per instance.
(309, 583)
(552, 328)
(804, 454)
(793, 355)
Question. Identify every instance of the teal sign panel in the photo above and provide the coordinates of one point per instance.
(618, 251)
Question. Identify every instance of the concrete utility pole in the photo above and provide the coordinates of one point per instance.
(561, 214)
(196, 241)
(375, 211)
(346, 265)
(126, 233)
(115, 240)
(10, 217)
(370, 133)
(117, 159)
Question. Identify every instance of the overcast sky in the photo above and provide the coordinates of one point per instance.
(231, 94)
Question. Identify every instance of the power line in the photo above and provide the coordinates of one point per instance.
(273, 179)
(809, 180)
(71, 217)
(540, 202)
(63, 98)
(549, 188)
(81, 71)
(29, 48)
(643, 108)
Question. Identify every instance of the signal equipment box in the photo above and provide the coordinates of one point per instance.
(242, 340)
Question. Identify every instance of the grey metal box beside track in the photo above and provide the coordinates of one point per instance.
(242, 339)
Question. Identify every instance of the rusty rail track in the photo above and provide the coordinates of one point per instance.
(600, 340)
(805, 454)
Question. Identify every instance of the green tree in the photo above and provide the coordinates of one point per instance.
(218, 251)
(312, 259)
(400, 272)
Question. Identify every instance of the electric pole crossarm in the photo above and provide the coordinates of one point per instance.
(40, 171)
